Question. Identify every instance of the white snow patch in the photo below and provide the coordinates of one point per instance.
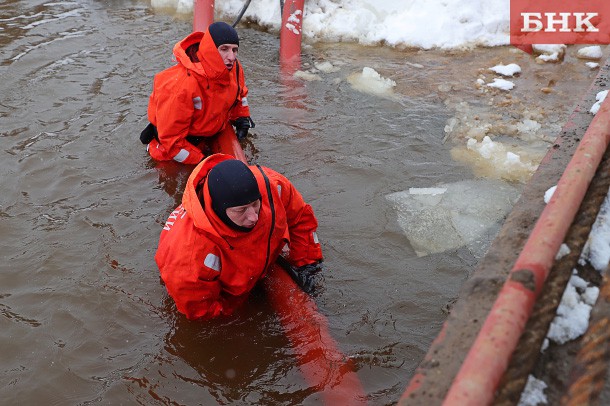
(549, 193)
(573, 313)
(592, 65)
(600, 97)
(501, 84)
(506, 70)
(533, 393)
(563, 251)
(592, 52)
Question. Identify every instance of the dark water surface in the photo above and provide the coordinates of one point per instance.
(83, 317)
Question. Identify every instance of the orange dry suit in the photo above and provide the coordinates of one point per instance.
(194, 98)
(208, 267)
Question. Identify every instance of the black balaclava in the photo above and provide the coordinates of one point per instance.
(223, 33)
(231, 183)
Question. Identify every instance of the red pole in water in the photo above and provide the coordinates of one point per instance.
(490, 354)
(203, 14)
(323, 365)
(290, 36)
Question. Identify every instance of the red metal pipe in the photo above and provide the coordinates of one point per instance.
(203, 14)
(321, 362)
(226, 142)
(490, 354)
(291, 36)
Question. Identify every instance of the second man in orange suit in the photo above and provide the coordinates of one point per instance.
(202, 95)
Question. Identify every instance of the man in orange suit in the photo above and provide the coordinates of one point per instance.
(202, 95)
(233, 223)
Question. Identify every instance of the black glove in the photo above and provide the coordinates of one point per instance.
(242, 125)
(307, 277)
(147, 135)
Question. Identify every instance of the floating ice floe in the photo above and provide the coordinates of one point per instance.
(528, 127)
(326, 67)
(497, 153)
(449, 216)
(370, 81)
(307, 76)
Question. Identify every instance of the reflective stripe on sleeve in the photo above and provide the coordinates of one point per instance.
(244, 102)
(315, 237)
(181, 156)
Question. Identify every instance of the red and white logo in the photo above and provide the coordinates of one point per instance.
(559, 22)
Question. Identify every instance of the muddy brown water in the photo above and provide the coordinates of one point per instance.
(83, 317)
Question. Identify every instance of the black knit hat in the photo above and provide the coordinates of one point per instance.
(231, 183)
(223, 33)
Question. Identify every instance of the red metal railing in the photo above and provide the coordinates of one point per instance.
(488, 357)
